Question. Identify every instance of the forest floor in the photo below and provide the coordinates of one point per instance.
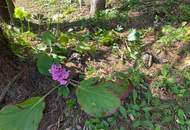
(65, 113)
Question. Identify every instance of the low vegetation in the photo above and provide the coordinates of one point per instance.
(112, 71)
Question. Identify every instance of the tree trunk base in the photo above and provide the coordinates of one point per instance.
(97, 5)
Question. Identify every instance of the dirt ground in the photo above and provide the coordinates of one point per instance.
(31, 83)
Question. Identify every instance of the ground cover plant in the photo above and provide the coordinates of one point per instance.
(124, 68)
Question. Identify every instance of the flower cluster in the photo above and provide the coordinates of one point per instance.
(60, 74)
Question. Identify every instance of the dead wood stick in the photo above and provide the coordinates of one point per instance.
(8, 86)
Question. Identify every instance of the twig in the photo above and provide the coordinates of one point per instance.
(6, 89)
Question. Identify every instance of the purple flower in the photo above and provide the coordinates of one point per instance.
(59, 73)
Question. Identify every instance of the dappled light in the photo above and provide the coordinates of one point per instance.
(94, 65)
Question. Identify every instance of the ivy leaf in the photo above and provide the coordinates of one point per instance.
(23, 116)
(44, 63)
(95, 99)
(133, 36)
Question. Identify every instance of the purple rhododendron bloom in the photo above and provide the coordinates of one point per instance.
(59, 73)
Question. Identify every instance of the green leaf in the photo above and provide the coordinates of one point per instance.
(135, 95)
(63, 39)
(95, 98)
(44, 63)
(180, 114)
(165, 70)
(121, 88)
(20, 13)
(157, 127)
(180, 121)
(63, 91)
(48, 37)
(123, 111)
(23, 116)
(133, 36)
(188, 122)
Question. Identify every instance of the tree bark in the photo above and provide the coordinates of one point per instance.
(7, 11)
(3, 41)
(97, 5)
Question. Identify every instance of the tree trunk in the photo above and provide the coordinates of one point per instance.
(97, 5)
(7, 11)
(3, 41)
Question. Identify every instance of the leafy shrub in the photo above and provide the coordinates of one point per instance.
(105, 37)
(169, 79)
(172, 34)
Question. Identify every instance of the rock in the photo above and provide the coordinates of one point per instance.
(147, 60)
(78, 127)
(70, 128)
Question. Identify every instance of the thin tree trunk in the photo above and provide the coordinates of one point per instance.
(7, 11)
(97, 5)
(3, 40)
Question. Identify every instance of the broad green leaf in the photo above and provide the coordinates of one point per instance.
(95, 99)
(48, 37)
(44, 63)
(121, 88)
(133, 36)
(23, 116)
(63, 91)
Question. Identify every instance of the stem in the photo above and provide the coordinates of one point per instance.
(22, 27)
(77, 82)
(75, 85)
(42, 98)
(50, 91)
(50, 45)
(57, 29)
(28, 26)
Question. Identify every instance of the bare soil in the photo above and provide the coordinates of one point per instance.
(31, 83)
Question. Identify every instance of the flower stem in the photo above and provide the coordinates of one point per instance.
(42, 98)
(74, 84)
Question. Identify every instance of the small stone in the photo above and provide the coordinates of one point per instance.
(79, 127)
(131, 117)
(147, 59)
(70, 128)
